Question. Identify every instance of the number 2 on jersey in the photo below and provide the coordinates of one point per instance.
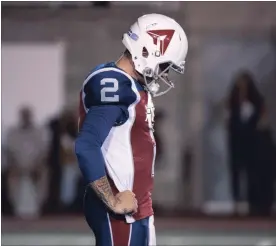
(112, 89)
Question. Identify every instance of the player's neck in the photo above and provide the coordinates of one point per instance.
(126, 65)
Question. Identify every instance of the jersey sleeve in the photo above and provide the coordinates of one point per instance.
(109, 87)
(96, 127)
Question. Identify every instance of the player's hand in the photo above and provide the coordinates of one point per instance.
(126, 203)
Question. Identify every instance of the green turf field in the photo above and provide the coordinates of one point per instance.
(163, 238)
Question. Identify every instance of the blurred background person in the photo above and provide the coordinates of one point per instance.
(69, 168)
(246, 108)
(5, 198)
(65, 183)
(265, 171)
(54, 165)
(26, 160)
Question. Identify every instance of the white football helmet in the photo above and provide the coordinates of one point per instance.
(157, 44)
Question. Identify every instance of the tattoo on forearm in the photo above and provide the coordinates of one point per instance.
(104, 191)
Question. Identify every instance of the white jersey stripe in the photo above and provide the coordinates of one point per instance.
(110, 229)
(130, 233)
(152, 234)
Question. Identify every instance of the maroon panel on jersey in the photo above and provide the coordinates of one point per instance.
(143, 154)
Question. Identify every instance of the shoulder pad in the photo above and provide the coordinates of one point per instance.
(109, 85)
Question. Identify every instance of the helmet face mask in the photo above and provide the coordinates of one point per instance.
(158, 45)
(161, 77)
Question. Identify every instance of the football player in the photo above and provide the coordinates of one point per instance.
(115, 146)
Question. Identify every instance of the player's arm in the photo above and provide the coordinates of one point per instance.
(96, 127)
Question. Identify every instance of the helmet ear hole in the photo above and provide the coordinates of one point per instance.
(145, 52)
